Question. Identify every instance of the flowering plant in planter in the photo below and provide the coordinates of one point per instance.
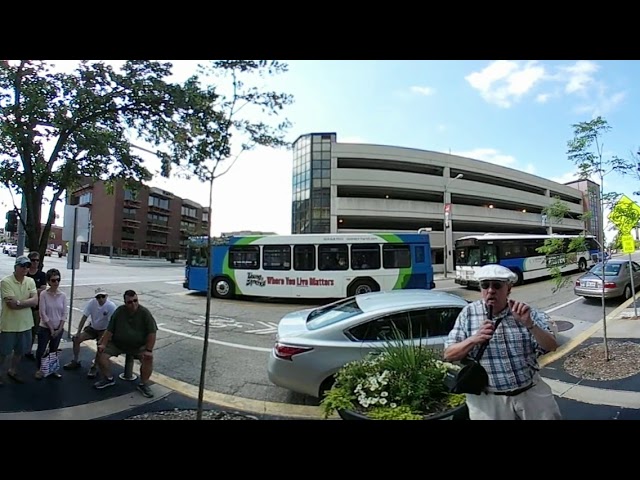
(403, 381)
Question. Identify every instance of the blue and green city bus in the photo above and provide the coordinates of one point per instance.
(310, 265)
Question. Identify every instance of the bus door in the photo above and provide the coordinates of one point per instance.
(422, 275)
(196, 269)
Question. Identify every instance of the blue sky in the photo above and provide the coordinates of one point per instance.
(514, 113)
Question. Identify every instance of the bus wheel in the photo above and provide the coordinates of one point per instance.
(582, 265)
(520, 280)
(362, 286)
(222, 287)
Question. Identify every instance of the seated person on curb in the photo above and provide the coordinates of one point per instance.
(131, 331)
(100, 309)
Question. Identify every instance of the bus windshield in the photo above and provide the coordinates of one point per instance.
(468, 256)
(197, 256)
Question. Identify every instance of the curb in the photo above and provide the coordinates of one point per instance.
(583, 336)
(231, 402)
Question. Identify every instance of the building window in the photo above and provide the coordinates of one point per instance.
(85, 198)
(158, 202)
(190, 212)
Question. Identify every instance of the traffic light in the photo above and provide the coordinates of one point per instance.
(12, 222)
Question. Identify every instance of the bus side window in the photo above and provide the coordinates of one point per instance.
(304, 258)
(333, 257)
(276, 257)
(396, 256)
(244, 257)
(365, 257)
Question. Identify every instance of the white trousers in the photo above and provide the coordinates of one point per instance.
(537, 403)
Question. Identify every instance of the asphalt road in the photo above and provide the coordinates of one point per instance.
(243, 331)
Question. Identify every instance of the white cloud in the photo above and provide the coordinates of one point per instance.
(490, 155)
(578, 76)
(504, 82)
(530, 168)
(543, 97)
(602, 104)
(441, 128)
(426, 91)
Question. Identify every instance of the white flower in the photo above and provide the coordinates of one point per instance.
(383, 401)
(384, 394)
(393, 405)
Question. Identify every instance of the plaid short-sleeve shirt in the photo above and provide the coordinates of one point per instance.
(511, 358)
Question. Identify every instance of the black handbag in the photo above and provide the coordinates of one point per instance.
(472, 377)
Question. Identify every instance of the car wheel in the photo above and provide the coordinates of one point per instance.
(627, 292)
(326, 385)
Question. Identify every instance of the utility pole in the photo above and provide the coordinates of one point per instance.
(21, 233)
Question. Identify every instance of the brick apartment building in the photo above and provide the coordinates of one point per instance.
(148, 222)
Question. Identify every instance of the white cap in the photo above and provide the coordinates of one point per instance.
(496, 272)
(99, 291)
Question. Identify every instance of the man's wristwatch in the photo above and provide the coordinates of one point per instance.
(17, 303)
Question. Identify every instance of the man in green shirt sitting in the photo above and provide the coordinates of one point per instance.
(131, 331)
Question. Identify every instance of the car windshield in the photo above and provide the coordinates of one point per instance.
(334, 313)
(610, 269)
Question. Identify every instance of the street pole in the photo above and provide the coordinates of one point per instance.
(447, 213)
(633, 288)
(89, 243)
(21, 233)
(72, 252)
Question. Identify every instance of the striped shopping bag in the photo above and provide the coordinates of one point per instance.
(50, 363)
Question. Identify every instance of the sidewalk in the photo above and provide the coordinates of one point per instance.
(583, 398)
(73, 397)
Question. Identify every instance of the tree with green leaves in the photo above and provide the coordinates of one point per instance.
(586, 151)
(241, 123)
(58, 129)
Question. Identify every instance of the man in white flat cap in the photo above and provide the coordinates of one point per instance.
(99, 308)
(515, 390)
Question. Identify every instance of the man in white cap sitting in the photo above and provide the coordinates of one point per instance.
(99, 308)
(515, 390)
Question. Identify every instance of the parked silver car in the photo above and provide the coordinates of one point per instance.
(312, 344)
(617, 280)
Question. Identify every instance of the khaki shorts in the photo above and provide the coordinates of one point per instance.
(113, 351)
(92, 333)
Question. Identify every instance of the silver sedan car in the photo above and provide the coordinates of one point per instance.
(617, 280)
(313, 344)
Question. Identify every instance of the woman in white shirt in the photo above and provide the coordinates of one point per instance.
(53, 314)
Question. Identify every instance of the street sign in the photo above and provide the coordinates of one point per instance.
(82, 226)
(628, 244)
(625, 215)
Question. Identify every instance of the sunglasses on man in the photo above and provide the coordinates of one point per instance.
(495, 284)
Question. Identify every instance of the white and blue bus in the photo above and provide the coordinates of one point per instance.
(518, 253)
(310, 265)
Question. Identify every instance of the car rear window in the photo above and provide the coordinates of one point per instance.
(334, 313)
(609, 269)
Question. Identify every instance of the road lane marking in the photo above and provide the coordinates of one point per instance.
(114, 282)
(217, 342)
(563, 305)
